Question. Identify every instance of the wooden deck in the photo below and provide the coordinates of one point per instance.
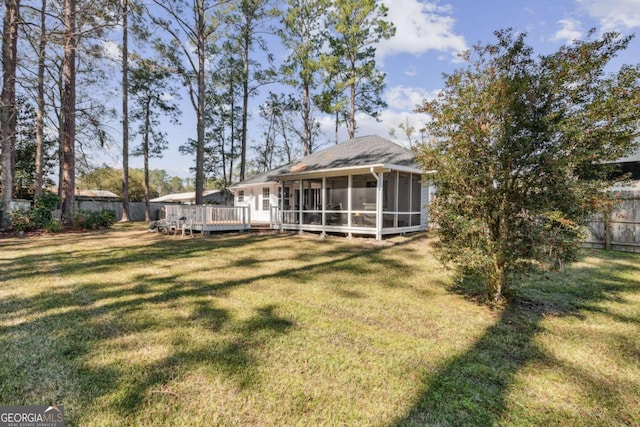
(208, 218)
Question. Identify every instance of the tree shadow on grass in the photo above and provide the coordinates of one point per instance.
(472, 388)
(232, 357)
(61, 332)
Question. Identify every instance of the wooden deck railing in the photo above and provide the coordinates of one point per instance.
(206, 218)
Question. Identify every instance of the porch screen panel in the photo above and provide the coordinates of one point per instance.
(416, 202)
(363, 200)
(337, 199)
(312, 201)
(289, 214)
(404, 192)
(389, 199)
(404, 199)
(389, 191)
(363, 193)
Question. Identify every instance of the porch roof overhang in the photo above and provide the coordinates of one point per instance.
(351, 170)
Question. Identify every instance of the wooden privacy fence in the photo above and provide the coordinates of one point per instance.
(136, 209)
(618, 229)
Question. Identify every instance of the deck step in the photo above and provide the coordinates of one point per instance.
(261, 226)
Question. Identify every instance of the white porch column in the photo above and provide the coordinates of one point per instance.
(281, 210)
(323, 198)
(349, 188)
(379, 203)
(300, 204)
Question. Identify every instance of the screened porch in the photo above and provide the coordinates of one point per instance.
(373, 203)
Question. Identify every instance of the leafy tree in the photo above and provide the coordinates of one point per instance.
(408, 130)
(131, 12)
(302, 34)
(151, 95)
(511, 136)
(224, 116)
(68, 109)
(125, 110)
(280, 133)
(42, 48)
(26, 153)
(165, 184)
(110, 179)
(175, 185)
(350, 65)
(192, 26)
(8, 111)
(41, 40)
(248, 22)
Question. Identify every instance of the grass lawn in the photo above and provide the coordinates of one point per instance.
(126, 327)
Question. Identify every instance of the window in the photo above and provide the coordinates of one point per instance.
(265, 199)
(241, 196)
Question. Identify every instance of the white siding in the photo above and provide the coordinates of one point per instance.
(253, 198)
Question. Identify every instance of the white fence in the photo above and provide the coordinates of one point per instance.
(207, 218)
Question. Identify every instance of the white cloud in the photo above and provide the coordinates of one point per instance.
(411, 71)
(570, 30)
(111, 50)
(369, 126)
(614, 14)
(421, 26)
(407, 98)
(402, 103)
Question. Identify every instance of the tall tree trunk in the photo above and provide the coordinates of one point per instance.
(233, 130)
(337, 124)
(306, 118)
(145, 154)
(42, 50)
(201, 100)
(125, 111)
(245, 107)
(351, 123)
(69, 108)
(8, 104)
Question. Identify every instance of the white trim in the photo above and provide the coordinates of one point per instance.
(351, 170)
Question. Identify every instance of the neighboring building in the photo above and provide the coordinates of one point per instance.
(216, 197)
(96, 195)
(630, 165)
(366, 185)
(93, 195)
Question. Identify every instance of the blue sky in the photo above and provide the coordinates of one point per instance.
(429, 36)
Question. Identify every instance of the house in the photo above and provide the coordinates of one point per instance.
(630, 165)
(90, 195)
(189, 198)
(367, 185)
(96, 195)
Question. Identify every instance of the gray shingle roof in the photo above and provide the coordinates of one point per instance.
(361, 151)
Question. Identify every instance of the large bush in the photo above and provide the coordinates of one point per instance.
(91, 220)
(38, 217)
(513, 138)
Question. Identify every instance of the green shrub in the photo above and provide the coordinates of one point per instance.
(21, 220)
(91, 220)
(37, 217)
(43, 207)
(53, 226)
